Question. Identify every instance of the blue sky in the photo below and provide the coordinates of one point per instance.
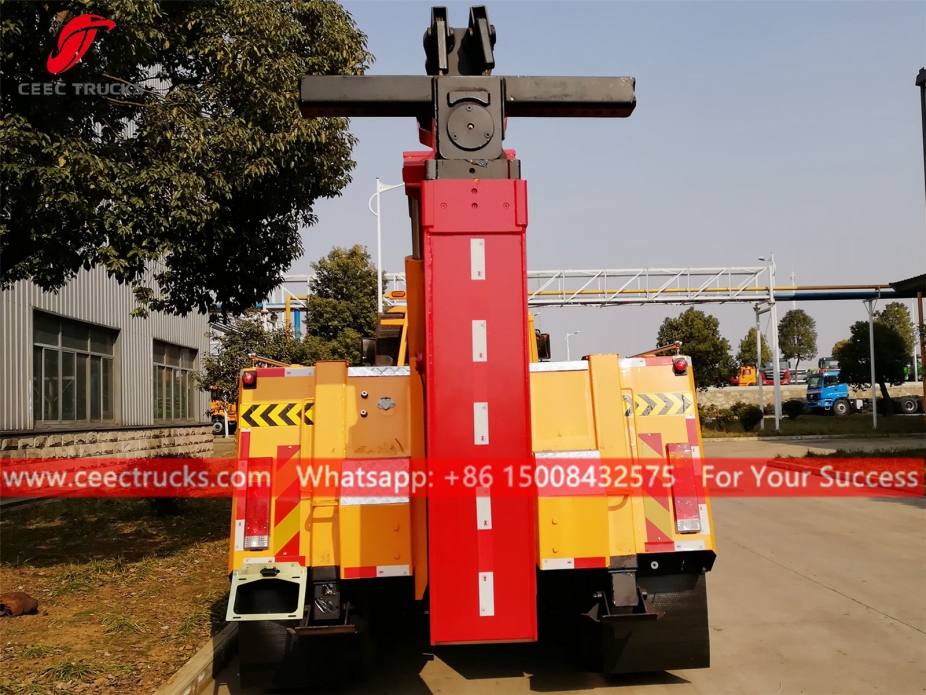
(791, 127)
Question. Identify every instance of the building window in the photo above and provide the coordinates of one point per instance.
(72, 371)
(173, 382)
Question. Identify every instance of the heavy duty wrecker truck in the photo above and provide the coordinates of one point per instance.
(565, 489)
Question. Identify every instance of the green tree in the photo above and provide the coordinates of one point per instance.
(194, 190)
(342, 310)
(840, 344)
(797, 336)
(897, 316)
(242, 337)
(700, 336)
(746, 355)
(890, 358)
(342, 306)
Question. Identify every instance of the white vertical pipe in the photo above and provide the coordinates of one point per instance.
(759, 367)
(871, 352)
(776, 356)
(379, 253)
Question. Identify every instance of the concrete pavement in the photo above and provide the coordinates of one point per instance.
(769, 447)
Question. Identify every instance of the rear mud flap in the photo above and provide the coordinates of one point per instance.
(672, 634)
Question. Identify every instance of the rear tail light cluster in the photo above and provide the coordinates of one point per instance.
(257, 504)
(684, 489)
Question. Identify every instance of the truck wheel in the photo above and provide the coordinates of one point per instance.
(218, 428)
(908, 405)
(840, 407)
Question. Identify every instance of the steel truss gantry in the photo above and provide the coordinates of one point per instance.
(634, 286)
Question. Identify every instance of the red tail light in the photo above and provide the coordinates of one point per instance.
(257, 504)
(680, 365)
(249, 379)
(684, 489)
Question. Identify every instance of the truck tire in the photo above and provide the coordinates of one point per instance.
(908, 405)
(841, 407)
(218, 428)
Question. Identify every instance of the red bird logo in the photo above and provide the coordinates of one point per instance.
(75, 40)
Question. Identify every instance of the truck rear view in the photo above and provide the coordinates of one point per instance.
(492, 489)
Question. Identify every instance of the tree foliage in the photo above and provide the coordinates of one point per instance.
(342, 310)
(193, 191)
(342, 306)
(839, 345)
(797, 336)
(897, 316)
(700, 336)
(890, 357)
(746, 355)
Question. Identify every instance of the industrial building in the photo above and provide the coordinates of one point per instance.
(80, 376)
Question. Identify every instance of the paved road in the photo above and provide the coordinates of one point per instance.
(807, 596)
(758, 448)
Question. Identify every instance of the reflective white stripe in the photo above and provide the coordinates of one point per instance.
(695, 452)
(477, 259)
(239, 534)
(486, 594)
(300, 371)
(481, 423)
(257, 560)
(256, 542)
(574, 366)
(629, 362)
(483, 509)
(705, 519)
(361, 501)
(378, 371)
(582, 454)
(480, 345)
(688, 525)
(559, 563)
(392, 571)
(689, 545)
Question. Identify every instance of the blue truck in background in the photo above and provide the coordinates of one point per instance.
(825, 394)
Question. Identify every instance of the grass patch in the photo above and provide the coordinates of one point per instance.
(854, 425)
(70, 579)
(119, 625)
(36, 651)
(69, 671)
(194, 623)
(123, 593)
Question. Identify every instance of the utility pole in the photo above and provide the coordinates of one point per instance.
(567, 343)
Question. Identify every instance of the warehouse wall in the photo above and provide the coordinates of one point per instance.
(94, 298)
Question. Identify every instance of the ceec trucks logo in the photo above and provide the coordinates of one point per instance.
(75, 39)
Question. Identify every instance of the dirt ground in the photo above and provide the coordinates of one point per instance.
(126, 594)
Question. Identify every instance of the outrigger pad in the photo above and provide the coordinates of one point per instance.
(678, 639)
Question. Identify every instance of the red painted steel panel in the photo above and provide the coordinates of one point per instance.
(360, 572)
(465, 604)
(584, 563)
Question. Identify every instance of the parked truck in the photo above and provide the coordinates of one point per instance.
(826, 394)
(533, 506)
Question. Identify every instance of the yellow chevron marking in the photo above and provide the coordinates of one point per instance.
(663, 403)
(272, 414)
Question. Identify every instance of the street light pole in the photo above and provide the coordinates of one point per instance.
(870, 305)
(921, 83)
(776, 356)
(380, 188)
(568, 354)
